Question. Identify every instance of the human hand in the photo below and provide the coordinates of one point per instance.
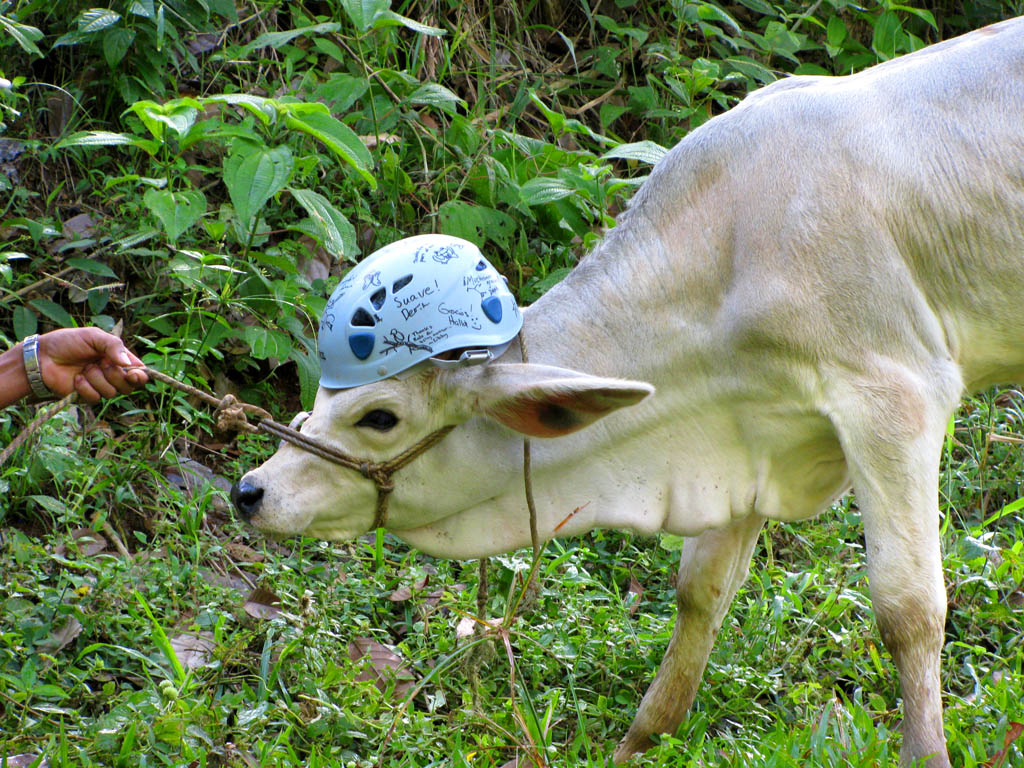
(88, 361)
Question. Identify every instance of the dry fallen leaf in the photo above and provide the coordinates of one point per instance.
(465, 627)
(1013, 732)
(243, 553)
(262, 604)
(61, 637)
(79, 226)
(25, 759)
(228, 580)
(372, 141)
(193, 650)
(386, 666)
(85, 542)
(400, 595)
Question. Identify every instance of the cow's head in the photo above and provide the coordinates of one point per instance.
(481, 460)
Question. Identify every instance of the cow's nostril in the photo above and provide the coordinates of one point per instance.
(246, 497)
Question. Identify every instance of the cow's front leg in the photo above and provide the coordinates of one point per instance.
(892, 428)
(712, 567)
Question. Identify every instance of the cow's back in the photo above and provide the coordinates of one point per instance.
(885, 209)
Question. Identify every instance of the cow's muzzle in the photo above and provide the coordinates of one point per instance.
(247, 498)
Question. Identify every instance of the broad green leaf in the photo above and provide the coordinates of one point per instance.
(143, 8)
(364, 13)
(177, 211)
(50, 504)
(752, 69)
(639, 35)
(161, 27)
(435, 95)
(644, 151)
(180, 118)
(264, 109)
(921, 13)
(340, 90)
(115, 180)
(116, 44)
(253, 177)
(389, 18)
(758, 6)
(49, 691)
(671, 542)
(477, 223)
(781, 41)
(267, 342)
(887, 30)
(54, 311)
(308, 367)
(92, 267)
(96, 19)
(146, 110)
(301, 108)
(225, 8)
(107, 139)
(23, 34)
(711, 12)
(74, 37)
(338, 234)
(276, 39)
(98, 300)
(338, 137)
(544, 189)
(835, 32)
(549, 281)
(25, 322)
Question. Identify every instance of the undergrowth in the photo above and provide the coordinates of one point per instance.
(198, 175)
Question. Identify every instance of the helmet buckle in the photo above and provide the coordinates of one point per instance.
(468, 358)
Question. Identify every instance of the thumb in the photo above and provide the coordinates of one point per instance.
(110, 347)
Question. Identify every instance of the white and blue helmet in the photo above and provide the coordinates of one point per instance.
(411, 301)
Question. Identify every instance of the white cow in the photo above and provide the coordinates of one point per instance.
(809, 282)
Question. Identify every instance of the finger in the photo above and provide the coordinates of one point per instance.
(119, 355)
(94, 375)
(116, 376)
(85, 390)
(111, 348)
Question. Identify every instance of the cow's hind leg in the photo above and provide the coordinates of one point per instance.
(712, 567)
(891, 424)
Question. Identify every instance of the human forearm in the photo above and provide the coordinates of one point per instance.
(13, 379)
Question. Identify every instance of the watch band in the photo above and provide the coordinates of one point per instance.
(30, 353)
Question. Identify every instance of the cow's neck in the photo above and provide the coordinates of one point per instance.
(620, 314)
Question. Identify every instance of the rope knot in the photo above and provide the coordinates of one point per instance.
(230, 415)
(379, 474)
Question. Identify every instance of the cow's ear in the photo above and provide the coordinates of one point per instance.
(544, 401)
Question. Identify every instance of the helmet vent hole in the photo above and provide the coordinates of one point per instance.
(363, 318)
(400, 283)
(481, 266)
(377, 299)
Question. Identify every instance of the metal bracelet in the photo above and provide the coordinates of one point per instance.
(30, 354)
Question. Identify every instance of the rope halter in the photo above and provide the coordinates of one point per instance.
(232, 416)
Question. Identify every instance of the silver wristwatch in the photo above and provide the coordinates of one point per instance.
(30, 352)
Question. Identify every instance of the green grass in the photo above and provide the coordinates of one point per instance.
(798, 676)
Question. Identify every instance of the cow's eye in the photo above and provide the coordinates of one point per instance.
(378, 419)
